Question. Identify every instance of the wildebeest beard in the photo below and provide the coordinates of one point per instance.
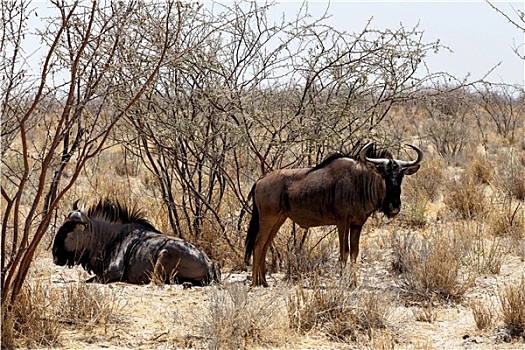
(392, 202)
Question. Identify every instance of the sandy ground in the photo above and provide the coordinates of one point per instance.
(171, 317)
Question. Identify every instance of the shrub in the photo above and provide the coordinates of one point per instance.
(29, 322)
(310, 256)
(466, 197)
(483, 316)
(480, 169)
(479, 254)
(508, 221)
(512, 299)
(446, 121)
(36, 318)
(429, 268)
(235, 320)
(341, 313)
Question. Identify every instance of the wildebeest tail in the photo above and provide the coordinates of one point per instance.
(253, 229)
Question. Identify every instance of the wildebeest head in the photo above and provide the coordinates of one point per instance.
(392, 171)
(71, 239)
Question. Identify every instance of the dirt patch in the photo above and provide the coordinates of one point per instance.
(172, 317)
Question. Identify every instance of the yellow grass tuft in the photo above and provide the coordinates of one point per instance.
(512, 299)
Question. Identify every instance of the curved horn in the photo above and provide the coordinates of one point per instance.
(364, 158)
(405, 164)
(78, 215)
(362, 153)
(75, 204)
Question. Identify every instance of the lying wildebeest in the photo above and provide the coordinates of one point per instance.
(341, 190)
(119, 244)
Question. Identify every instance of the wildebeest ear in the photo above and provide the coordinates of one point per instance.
(411, 169)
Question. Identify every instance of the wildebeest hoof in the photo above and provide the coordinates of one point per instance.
(187, 285)
(93, 279)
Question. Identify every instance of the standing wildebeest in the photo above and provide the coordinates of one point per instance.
(340, 191)
(119, 244)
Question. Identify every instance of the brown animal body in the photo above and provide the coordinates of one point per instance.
(342, 191)
(117, 244)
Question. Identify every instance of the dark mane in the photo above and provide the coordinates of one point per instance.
(373, 152)
(329, 160)
(115, 212)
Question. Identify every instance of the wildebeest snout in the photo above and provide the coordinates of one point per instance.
(59, 261)
(395, 211)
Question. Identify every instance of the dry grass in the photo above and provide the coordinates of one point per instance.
(428, 182)
(507, 224)
(42, 311)
(430, 268)
(30, 322)
(481, 203)
(484, 316)
(508, 221)
(512, 299)
(415, 209)
(517, 185)
(480, 169)
(311, 257)
(86, 305)
(425, 313)
(465, 197)
(482, 254)
(340, 313)
(239, 319)
(511, 177)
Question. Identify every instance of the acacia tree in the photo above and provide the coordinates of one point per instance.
(501, 102)
(63, 118)
(254, 95)
(446, 112)
(503, 105)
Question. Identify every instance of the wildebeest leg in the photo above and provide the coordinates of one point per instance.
(267, 230)
(114, 271)
(164, 269)
(355, 233)
(299, 248)
(107, 276)
(342, 229)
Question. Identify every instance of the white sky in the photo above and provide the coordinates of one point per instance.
(479, 37)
